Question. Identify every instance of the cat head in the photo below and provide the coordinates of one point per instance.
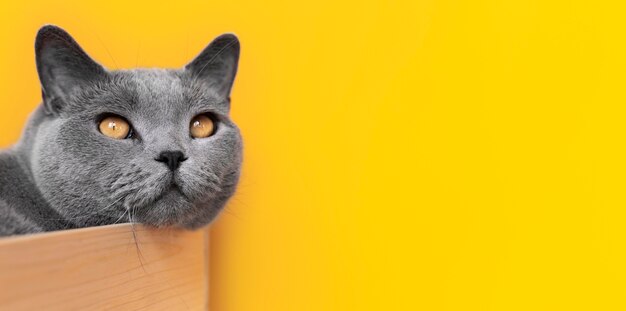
(154, 146)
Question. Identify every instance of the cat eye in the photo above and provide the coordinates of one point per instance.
(115, 127)
(201, 126)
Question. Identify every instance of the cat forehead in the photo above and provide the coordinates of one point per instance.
(154, 89)
(154, 78)
(150, 84)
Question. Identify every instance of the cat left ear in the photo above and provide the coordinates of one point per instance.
(216, 65)
(62, 66)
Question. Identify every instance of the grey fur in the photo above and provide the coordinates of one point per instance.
(63, 173)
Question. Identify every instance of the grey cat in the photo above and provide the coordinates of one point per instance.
(152, 146)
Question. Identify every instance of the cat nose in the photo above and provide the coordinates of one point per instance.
(171, 158)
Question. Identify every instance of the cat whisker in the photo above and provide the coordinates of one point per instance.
(132, 226)
(88, 215)
(98, 211)
(138, 49)
(107, 50)
(213, 59)
(123, 214)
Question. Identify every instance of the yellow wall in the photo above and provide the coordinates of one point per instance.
(404, 155)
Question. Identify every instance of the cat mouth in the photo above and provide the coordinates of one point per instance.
(170, 192)
(166, 209)
(173, 188)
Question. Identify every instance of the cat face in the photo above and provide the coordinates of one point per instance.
(159, 171)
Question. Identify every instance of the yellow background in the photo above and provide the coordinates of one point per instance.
(399, 155)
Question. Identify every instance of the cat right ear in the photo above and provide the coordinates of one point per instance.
(63, 67)
(216, 65)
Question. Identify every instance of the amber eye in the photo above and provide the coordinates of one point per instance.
(201, 126)
(115, 127)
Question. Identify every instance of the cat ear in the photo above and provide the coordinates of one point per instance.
(62, 66)
(216, 65)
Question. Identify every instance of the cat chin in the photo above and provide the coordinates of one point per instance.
(169, 209)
